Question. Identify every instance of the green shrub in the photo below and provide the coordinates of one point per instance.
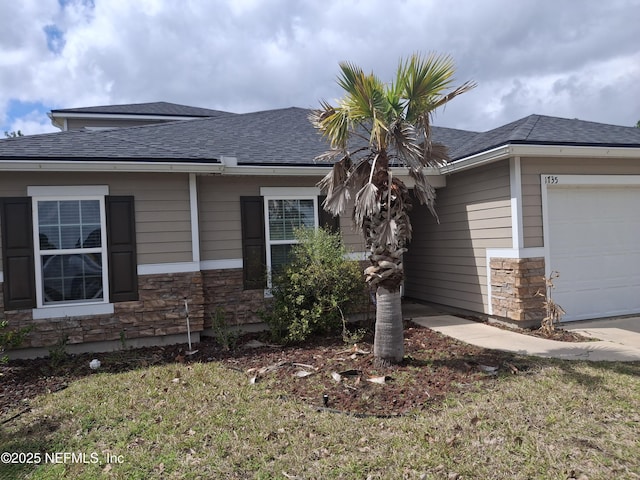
(226, 336)
(313, 292)
(10, 339)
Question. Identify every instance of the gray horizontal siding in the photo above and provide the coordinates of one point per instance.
(219, 216)
(163, 221)
(533, 168)
(446, 262)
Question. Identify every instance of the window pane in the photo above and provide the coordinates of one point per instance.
(71, 277)
(280, 255)
(70, 212)
(276, 220)
(48, 213)
(70, 236)
(49, 238)
(91, 236)
(90, 211)
(287, 215)
(69, 224)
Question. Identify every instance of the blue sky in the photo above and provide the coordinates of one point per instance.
(563, 58)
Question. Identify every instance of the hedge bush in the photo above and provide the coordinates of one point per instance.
(315, 289)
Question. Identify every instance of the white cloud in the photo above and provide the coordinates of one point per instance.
(527, 56)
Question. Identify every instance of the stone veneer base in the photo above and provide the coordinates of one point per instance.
(157, 316)
(515, 283)
(159, 311)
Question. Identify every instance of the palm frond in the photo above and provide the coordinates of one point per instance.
(405, 140)
(386, 233)
(334, 123)
(336, 176)
(425, 79)
(336, 203)
(361, 173)
(367, 203)
(424, 191)
(434, 155)
(465, 87)
(365, 101)
(329, 155)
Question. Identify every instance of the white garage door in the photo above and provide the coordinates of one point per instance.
(594, 244)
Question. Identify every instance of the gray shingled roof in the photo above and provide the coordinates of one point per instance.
(283, 137)
(153, 108)
(544, 130)
(272, 137)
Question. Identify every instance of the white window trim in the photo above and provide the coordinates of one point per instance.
(61, 193)
(284, 193)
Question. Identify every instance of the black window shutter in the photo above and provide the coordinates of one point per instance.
(121, 248)
(254, 256)
(17, 253)
(325, 219)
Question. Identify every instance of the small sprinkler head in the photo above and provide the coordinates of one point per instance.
(325, 400)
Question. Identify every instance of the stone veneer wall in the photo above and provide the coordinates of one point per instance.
(159, 311)
(224, 289)
(514, 284)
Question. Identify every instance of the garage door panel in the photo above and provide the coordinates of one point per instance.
(594, 244)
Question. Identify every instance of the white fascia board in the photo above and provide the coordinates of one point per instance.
(478, 159)
(295, 171)
(121, 116)
(507, 151)
(574, 151)
(108, 166)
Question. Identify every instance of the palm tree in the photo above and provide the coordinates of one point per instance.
(374, 126)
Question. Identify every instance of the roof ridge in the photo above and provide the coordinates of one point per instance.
(522, 131)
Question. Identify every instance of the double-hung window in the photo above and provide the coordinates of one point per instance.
(285, 211)
(70, 247)
(268, 228)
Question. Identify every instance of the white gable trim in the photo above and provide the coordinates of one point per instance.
(195, 226)
(515, 183)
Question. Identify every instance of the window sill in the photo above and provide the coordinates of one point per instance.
(61, 311)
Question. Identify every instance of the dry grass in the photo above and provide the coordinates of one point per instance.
(559, 421)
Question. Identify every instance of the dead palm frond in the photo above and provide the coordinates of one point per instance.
(554, 312)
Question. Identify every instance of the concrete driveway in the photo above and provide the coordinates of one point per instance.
(625, 331)
(619, 337)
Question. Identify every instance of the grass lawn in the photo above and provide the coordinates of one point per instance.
(559, 420)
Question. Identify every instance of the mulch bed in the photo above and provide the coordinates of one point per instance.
(559, 334)
(325, 373)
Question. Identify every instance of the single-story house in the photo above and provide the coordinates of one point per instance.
(109, 226)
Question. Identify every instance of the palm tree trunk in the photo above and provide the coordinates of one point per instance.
(388, 345)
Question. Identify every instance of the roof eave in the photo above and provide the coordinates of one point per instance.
(125, 116)
(22, 165)
(534, 150)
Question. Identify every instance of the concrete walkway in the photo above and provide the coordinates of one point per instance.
(617, 344)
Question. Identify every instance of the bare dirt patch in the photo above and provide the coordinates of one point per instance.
(325, 373)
